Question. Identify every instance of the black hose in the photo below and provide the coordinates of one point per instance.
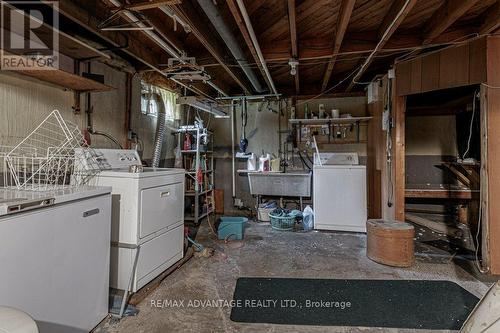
(106, 135)
(309, 158)
(303, 161)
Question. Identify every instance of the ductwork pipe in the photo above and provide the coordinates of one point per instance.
(255, 42)
(160, 130)
(214, 16)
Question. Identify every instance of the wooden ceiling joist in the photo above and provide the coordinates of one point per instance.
(293, 38)
(136, 47)
(445, 16)
(362, 40)
(346, 8)
(396, 15)
(357, 44)
(492, 19)
(233, 7)
(151, 4)
(304, 10)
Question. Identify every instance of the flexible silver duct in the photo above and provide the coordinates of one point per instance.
(231, 42)
(160, 130)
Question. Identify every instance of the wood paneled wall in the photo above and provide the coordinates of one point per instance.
(456, 66)
(476, 62)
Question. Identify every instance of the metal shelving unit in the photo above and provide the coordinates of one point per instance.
(198, 161)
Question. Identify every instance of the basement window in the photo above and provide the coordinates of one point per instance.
(149, 105)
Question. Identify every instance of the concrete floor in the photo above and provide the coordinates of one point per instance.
(268, 253)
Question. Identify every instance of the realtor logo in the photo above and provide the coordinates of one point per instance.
(29, 35)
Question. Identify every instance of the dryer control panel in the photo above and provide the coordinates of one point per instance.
(118, 158)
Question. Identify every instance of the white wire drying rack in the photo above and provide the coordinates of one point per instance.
(46, 159)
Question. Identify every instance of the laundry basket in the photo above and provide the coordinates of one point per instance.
(282, 223)
(263, 214)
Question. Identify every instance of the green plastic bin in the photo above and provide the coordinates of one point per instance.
(232, 227)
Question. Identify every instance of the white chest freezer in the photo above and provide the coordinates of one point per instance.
(54, 257)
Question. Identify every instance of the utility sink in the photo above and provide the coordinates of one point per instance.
(293, 184)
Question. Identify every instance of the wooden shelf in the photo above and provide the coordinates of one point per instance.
(437, 191)
(331, 122)
(67, 80)
(68, 45)
(351, 120)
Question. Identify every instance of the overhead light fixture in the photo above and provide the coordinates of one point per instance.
(293, 66)
(202, 105)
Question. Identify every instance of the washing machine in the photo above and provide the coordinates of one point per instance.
(339, 192)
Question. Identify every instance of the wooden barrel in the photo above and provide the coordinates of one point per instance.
(390, 242)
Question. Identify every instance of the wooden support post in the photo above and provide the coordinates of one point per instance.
(399, 108)
(490, 135)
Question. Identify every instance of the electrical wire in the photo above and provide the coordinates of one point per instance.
(357, 69)
(490, 86)
(478, 263)
(327, 90)
(303, 161)
(326, 59)
(388, 147)
(380, 43)
(471, 124)
(108, 136)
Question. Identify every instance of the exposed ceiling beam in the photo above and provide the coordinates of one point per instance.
(159, 39)
(151, 4)
(207, 41)
(303, 11)
(492, 19)
(449, 12)
(233, 7)
(136, 48)
(332, 95)
(293, 38)
(396, 15)
(255, 42)
(361, 43)
(344, 16)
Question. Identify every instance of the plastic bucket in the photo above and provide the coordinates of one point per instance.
(232, 227)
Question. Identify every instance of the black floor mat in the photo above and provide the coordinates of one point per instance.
(368, 303)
